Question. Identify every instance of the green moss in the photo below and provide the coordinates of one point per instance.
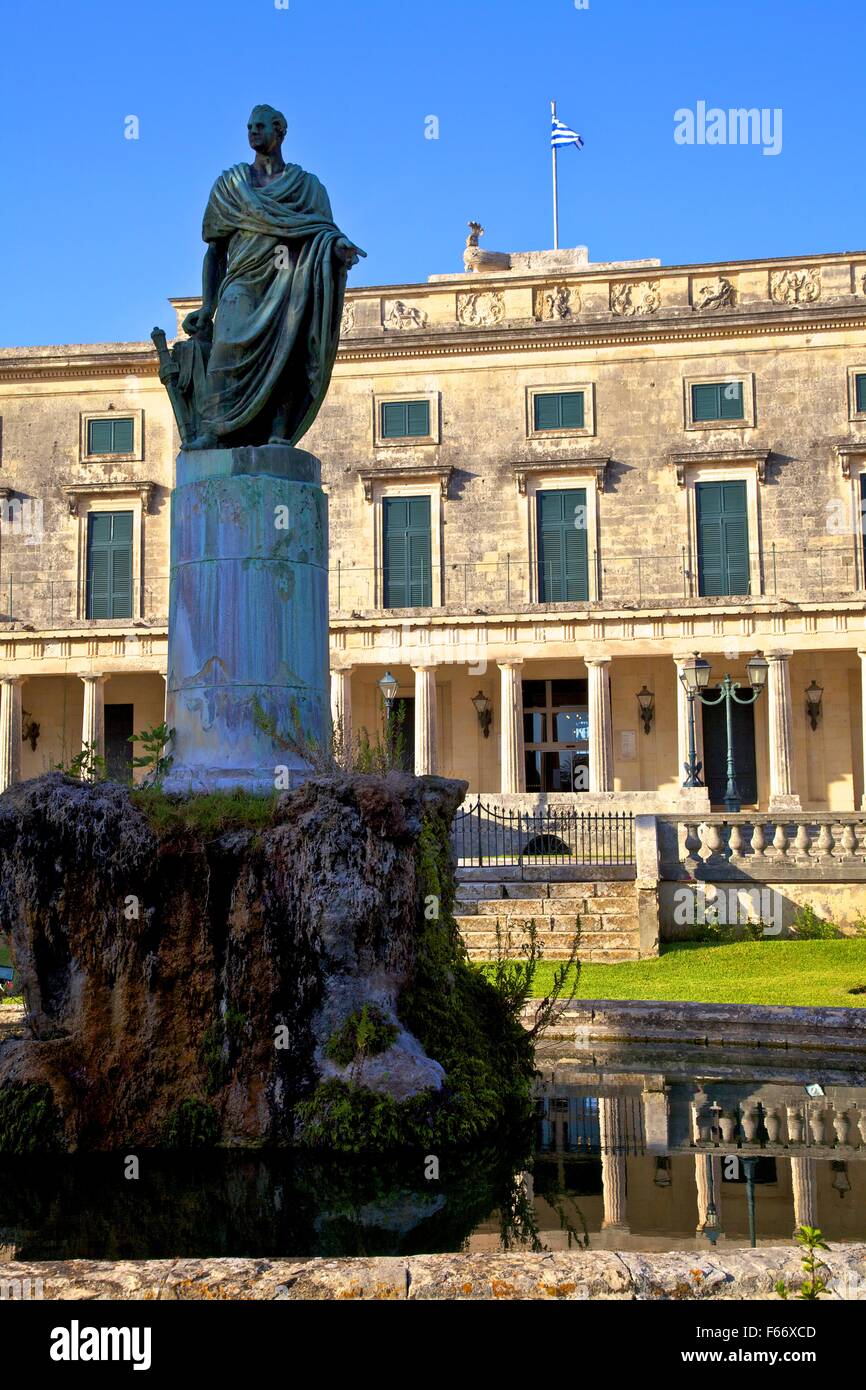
(365, 1033)
(220, 1048)
(29, 1121)
(459, 1018)
(193, 1125)
(207, 816)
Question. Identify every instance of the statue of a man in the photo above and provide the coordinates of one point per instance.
(273, 282)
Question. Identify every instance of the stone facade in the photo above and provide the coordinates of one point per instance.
(636, 337)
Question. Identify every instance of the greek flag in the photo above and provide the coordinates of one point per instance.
(562, 135)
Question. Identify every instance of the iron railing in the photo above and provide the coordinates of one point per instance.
(485, 834)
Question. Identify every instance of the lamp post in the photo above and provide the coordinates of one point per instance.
(710, 1226)
(757, 669)
(694, 675)
(389, 687)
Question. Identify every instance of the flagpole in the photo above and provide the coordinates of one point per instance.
(555, 191)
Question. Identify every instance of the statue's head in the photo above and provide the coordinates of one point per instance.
(266, 129)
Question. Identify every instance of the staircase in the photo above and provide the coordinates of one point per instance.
(607, 914)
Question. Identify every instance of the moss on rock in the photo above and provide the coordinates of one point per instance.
(29, 1120)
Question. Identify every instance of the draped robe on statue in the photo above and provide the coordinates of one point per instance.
(277, 320)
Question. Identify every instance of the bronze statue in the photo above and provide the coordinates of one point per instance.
(262, 346)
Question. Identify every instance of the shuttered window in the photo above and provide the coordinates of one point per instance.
(563, 572)
(723, 538)
(110, 436)
(860, 393)
(560, 410)
(109, 565)
(717, 400)
(407, 578)
(405, 419)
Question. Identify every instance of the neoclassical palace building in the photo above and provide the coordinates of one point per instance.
(550, 482)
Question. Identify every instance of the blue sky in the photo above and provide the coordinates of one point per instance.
(97, 230)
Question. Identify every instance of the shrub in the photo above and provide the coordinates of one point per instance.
(808, 926)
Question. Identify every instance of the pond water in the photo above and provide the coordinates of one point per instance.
(629, 1151)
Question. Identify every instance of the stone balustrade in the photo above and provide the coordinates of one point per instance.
(805, 846)
(819, 1127)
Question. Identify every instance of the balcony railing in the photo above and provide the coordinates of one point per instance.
(794, 573)
(797, 574)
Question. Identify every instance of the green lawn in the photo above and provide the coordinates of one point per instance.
(742, 972)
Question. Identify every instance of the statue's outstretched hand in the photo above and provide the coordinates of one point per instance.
(347, 253)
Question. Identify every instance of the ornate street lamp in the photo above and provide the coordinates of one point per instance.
(814, 695)
(694, 676)
(645, 699)
(389, 687)
(484, 710)
(757, 669)
(711, 1226)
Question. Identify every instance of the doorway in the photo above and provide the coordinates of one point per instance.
(119, 727)
(716, 751)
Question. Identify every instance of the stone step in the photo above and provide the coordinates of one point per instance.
(564, 922)
(589, 958)
(558, 943)
(489, 889)
(546, 907)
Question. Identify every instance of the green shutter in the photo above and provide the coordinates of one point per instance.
(405, 419)
(110, 436)
(723, 538)
(407, 552)
(109, 565)
(717, 400)
(563, 572)
(860, 392)
(558, 410)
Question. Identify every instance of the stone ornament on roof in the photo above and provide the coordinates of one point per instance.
(715, 294)
(556, 302)
(474, 259)
(402, 315)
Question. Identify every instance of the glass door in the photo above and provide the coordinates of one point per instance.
(556, 735)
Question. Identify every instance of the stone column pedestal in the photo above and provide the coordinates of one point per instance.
(512, 771)
(248, 668)
(341, 709)
(804, 1192)
(783, 796)
(600, 726)
(93, 721)
(426, 731)
(10, 730)
(614, 1145)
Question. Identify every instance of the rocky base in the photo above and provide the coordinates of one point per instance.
(688, 1275)
(295, 976)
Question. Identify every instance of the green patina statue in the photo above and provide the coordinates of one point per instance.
(258, 360)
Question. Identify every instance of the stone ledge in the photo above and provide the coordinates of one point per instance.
(657, 1021)
(739, 1274)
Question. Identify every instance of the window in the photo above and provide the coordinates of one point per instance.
(405, 419)
(717, 400)
(112, 436)
(563, 571)
(560, 410)
(860, 393)
(406, 547)
(723, 538)
(109, 565)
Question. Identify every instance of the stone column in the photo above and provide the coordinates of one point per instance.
(93, 723)
(783, 796)
(426, 753)
(703, 1187)
(683, 726)
(600, 728)
(10, 730)
(512, 769)
(805, 1195)
(862, 655)
(341, 709)
(611, 1124)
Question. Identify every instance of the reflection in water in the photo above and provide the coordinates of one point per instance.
(628, 1154)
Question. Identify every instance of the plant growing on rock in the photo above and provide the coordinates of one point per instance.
(155, 759)
(88, 765)
(811, 1239)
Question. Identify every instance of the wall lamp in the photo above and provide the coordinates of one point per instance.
(814, 695)
(389, 687)
(484, 710)
(646, 700)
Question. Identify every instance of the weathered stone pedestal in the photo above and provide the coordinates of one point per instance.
(248, 618)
